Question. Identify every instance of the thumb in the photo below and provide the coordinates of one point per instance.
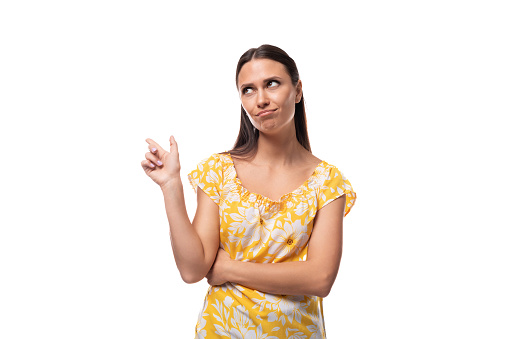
(173, 144)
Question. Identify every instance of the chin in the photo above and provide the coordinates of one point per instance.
(268, 127)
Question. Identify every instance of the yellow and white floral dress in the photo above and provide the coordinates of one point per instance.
(255, 228)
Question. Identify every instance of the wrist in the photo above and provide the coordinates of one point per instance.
(171, 184)
(229, 270)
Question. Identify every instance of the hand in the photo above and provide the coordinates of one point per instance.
(217, 274)
(160, 165)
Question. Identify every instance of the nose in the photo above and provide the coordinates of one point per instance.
(262, 99)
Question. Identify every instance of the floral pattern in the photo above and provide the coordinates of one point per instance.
(257, 229)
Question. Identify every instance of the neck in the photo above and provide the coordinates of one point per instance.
(279, 149)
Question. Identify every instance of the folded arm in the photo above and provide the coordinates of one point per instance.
(315, 276)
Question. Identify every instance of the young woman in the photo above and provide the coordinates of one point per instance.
(268, 229)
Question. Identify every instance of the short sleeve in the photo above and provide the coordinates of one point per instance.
(208, 176)
(335, 186)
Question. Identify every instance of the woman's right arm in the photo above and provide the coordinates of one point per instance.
(194, 244)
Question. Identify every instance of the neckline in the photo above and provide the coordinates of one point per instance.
(265, 198)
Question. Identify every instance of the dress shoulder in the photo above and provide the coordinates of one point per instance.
(208, 175)
(334, 185)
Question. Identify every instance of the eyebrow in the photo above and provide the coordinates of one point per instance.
(264, 81)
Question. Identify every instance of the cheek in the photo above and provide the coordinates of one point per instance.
(288, 100)
(247, 105)
(285, 98)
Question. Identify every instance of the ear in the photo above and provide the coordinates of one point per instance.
(298, 97)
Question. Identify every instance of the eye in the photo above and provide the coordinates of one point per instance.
(272, 83)
(247, 90)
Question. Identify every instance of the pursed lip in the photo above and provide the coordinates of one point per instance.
(265, 112)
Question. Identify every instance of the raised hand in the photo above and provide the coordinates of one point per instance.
(160, 165)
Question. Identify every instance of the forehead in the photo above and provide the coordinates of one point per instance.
(261, 69)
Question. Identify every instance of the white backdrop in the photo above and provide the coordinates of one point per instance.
(406, 98)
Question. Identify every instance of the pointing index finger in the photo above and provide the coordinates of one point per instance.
(152, 143)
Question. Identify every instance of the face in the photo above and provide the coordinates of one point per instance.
(268, 95)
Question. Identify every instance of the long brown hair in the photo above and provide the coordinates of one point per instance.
(247, 141)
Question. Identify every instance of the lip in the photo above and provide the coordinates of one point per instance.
(266, 112)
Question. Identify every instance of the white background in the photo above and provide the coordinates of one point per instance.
(407, 98)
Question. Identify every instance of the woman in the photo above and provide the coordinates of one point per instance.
(268, 228)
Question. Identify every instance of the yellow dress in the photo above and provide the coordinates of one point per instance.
(255, 228)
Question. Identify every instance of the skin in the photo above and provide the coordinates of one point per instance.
(264, 84)
(281, 164)
(194, 244)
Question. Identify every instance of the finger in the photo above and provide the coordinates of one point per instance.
(151, 157)
(173, 144)
(146, 164)
(152, 148)
(152, 144)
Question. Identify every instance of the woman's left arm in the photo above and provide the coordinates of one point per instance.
(315, 276)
